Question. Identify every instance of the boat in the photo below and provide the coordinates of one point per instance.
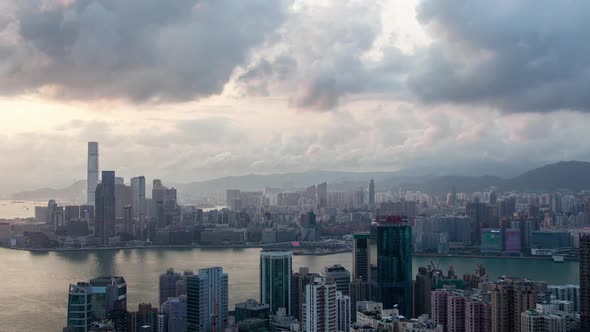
(558, 259)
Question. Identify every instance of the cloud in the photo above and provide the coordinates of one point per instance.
(517, 56)
(143, 50)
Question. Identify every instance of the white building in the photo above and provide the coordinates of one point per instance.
(319, 311)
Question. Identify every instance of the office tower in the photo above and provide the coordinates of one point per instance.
(585, 281)
(123, 197)
(439, 305)
(108, 293)
(456, 312)
(511, 297)
(322, 193)
(138, 190)
(340, 275)
(359, 291)
(361, 257)
(275, 279)
(343, 312)
(105, 208)
(92, 176)
(72, 212)
(372, 195)
(233, 199)
(207, 300)
(79, 307)
(175, 311)
(423, 286)
(478, 316)
(394, 263)
(168, 282)
(298, 282)
(479, 213)
(127, 218)
(51, 208)
(181, 284)
(319, 313)
(144, 319)
(251, 313)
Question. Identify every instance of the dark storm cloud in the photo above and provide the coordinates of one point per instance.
(516, 55)
(133, 49)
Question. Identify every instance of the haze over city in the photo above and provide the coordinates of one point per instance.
(192, 90)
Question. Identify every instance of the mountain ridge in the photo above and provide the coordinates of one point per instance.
(568, 175)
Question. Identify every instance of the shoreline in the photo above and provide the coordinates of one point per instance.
(267, 246)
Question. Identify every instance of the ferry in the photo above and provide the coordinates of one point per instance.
(558, 259)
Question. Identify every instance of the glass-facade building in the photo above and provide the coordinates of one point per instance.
(394, 263)
(275, 279)
(207, 300)
(79, 307)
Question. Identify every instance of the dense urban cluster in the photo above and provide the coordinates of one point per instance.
(317, 220)
(311, 220)
(370, 298)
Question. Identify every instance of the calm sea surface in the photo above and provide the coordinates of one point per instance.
(33, 286)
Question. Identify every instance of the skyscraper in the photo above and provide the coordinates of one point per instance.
(343, 312)
(585, 281)
(340, 275)
(361, 257)
(394, 263)
(108, 293)
(322, 193)
(127, 219)
(298, 283)
(138, 189)
(275, 279)
(168, 283)
(320, 306)
(79, 307)
(105, 208)
(207, 300)
(92, 176)
(372, 195)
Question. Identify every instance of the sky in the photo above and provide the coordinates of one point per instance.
(189, 90)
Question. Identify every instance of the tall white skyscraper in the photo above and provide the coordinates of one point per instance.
(92, 178)
(138, 189)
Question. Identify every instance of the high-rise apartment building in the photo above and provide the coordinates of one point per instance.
(319, 313)
(92, 176)
(139, 207)
(423, 285)
(585, 281)
(343, 312)
(298, 282)
(394, 263)
(275, 279)
(105, 208)
(478, 316)
(340, 275)
(535, 321)
(511, 297)
(207, 300)
(456, 312)
(439, 303)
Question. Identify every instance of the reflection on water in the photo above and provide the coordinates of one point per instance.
(33, 292)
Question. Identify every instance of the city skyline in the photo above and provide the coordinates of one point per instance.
(278, 99)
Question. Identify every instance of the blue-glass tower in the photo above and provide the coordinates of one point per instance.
(394, 263)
